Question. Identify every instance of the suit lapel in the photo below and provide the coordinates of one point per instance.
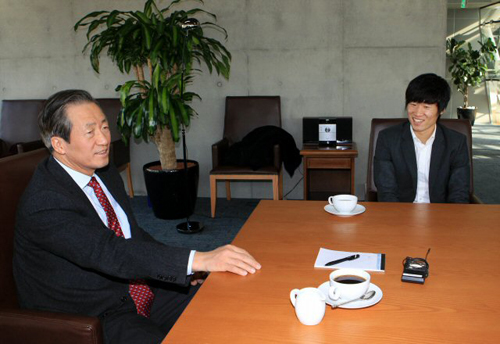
(70, 186)
(65, 180)
(438, 149)
(408, 148)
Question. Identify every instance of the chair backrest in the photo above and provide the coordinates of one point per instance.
(19, 126)
(120, 153)
(18, 122)
(378, 124)
(244, 114)
(111, 108)
(15, 173)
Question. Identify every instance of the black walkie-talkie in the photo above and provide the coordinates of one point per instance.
(415, 270)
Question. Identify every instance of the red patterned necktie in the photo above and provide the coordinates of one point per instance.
(140, 292)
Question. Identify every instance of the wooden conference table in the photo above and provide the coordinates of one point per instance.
(459, 302)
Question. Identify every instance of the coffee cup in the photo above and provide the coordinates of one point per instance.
(348, 284)
(309, 305)
(343, 203)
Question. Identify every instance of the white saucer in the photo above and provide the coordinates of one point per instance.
(355, 304)
(358, 210)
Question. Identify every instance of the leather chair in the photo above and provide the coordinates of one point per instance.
(18, 126)
(19, 131)
(244, 114)
(20, 325)
(378, 124)
(120, 153)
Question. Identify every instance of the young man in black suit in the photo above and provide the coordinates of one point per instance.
(420, 160)
(78, 247)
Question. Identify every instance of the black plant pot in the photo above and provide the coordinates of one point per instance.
(467, 113)
(170, 197)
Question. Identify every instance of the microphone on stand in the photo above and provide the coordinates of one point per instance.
(188, 227)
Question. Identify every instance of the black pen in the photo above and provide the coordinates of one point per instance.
(341, 260)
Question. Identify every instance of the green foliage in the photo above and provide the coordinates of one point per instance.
(468, 66)
(154, 37)
(147, 105)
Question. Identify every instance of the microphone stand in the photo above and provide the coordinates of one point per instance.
(188, 227)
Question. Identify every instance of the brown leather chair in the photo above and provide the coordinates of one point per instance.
(120, 153)
(20, 325)
(19, 131)
(18, 126)
(378, 124)
(244, 114)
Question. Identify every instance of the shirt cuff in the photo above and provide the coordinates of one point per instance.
(190, 263)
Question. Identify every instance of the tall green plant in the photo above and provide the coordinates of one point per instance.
(467, 66)
(156, 105)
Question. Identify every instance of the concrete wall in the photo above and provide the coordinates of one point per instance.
(323, 57)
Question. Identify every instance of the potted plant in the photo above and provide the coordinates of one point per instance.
(468, 68)
(163, 47)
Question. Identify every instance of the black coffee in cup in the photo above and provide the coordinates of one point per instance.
(349, 279)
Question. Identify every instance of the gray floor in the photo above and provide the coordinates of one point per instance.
(231, 215)
(486, 160)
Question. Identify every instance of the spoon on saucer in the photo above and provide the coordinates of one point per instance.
(364, 297)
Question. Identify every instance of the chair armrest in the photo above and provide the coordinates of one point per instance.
(277, 156)
(23, 147)
(218, 151)
(29, 326)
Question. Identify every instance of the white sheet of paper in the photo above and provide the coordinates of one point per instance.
(366, 261)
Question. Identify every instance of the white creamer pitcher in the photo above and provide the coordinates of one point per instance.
(309, 305)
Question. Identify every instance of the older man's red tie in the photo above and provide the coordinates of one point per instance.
(140, 292)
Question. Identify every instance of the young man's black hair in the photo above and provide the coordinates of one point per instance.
(430, 89)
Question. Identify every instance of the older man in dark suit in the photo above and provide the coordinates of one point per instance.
(78, 247)
(420, 160)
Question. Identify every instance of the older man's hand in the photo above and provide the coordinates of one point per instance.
(226, 258)
(198, 277)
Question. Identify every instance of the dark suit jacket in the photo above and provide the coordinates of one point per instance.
(395, 166)
(256, 149)
(67, 260)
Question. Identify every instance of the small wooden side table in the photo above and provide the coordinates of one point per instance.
(328, 171)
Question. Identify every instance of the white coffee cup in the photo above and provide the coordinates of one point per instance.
(343, 203)
(309, 305)
(348, 284)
